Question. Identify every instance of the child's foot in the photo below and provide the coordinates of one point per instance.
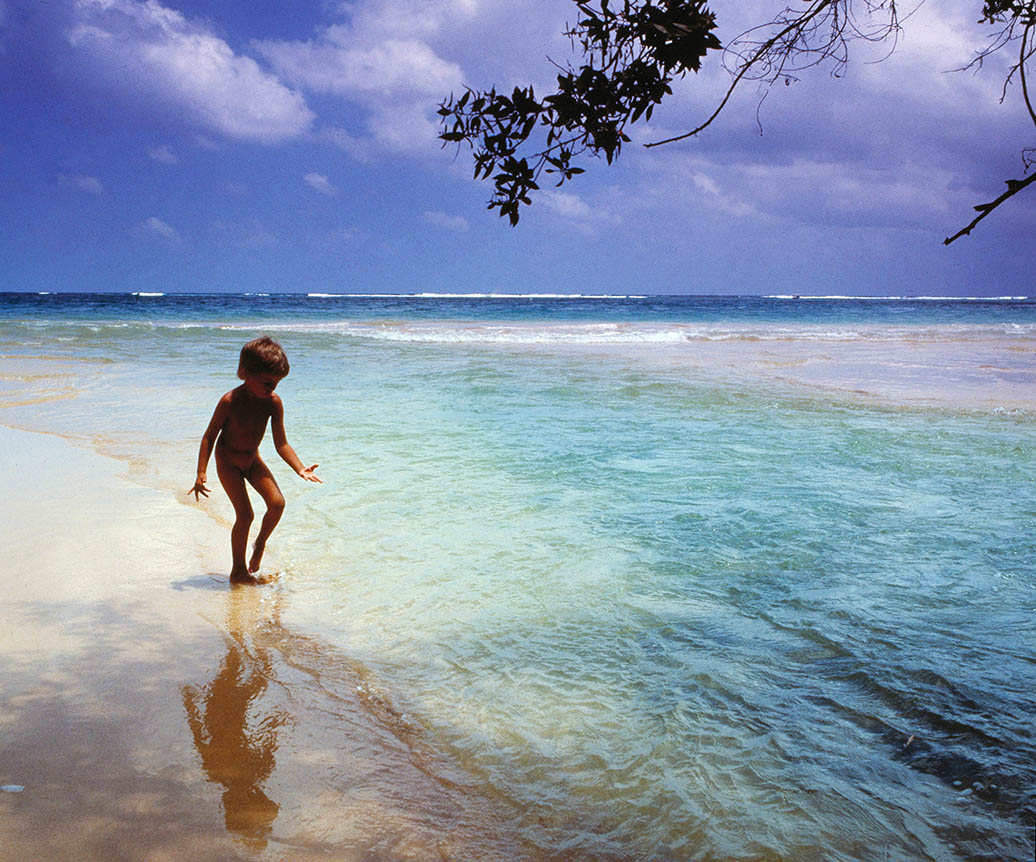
(257, 556)
(242, 577)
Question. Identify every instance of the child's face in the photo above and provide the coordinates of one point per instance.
(261, 385)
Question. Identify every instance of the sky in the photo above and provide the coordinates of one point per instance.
(203, 146)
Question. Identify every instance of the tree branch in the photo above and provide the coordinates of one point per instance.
(798, 43)
(1026, 52)
(1013, 187)
(761, 51)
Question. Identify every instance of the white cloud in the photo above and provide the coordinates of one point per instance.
(405, 128)
(147, 51)
(836, 193)
(250, 234)
(441, 219)
(709, 191)
(343, 237)
(816, 192)
(391, 70)
(155, 227)
(567, 205)
(360, 149)
(321, 183)
(164, 155)
(575, 212)
(414, 18)
(704, 183)
(91, 185)
(340, 64)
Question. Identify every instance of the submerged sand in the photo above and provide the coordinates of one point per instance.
(150, 711)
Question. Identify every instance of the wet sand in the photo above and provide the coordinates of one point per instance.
(150, 711)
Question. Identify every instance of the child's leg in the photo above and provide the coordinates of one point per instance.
(262, 480)
(233, 483)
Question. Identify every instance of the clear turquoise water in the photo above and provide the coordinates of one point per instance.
(661, 578)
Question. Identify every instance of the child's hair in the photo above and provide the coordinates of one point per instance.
(263, 356)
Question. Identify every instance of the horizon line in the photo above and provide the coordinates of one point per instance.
(533, 296)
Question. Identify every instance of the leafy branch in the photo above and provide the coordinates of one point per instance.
(633, 50)
(633, 53)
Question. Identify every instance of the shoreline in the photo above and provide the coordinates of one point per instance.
(150, 710)
(89, 656)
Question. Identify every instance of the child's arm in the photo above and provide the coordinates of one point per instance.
(280, 441)
(208, 441)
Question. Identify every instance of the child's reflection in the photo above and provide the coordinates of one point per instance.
(236, 742)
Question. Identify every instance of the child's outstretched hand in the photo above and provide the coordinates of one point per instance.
(199, 488)
(308, 474)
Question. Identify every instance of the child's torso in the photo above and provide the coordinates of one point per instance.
(245, 426)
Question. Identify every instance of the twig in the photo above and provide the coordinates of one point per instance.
(1021, 67)
(759, 54)
(775, 54)
(1013, 187)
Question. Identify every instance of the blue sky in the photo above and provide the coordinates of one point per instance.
(185, 145)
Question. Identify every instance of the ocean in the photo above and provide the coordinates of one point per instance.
(650, 577)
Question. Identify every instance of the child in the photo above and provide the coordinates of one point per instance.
(235, 430)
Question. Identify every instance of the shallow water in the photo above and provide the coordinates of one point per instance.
(728, 579)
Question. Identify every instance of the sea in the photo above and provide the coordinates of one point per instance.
(655, 577)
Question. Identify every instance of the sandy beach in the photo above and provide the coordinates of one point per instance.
(150, 711)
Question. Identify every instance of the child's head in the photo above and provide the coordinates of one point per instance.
(263, 356)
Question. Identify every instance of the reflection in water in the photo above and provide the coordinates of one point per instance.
(373, 786)
(235, 740)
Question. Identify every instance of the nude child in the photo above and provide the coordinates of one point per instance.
(235, 431)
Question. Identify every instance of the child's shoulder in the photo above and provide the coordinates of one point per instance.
(229, 400)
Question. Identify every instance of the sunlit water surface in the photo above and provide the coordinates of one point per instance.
(658, 580)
